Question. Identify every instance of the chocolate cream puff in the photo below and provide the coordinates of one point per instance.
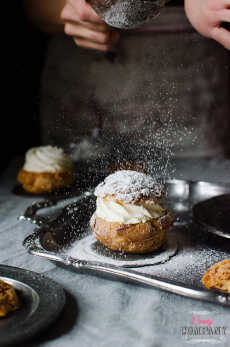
(129, 216)
(46, 168)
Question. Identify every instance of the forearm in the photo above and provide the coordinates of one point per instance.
(45, 14)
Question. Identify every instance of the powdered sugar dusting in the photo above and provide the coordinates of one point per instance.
(197, 252)
(129, 186)
(92, 250)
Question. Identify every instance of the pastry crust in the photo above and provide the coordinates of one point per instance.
(8, 299)
(132, 238)
(127, 165)
(42, 182)
(218, 276)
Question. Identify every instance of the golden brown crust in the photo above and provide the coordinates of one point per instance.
(131, 238)
(127, 165)
(8, 299)
(218, 276)
(42, 182)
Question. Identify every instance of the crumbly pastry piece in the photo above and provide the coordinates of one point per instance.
(8, 299)
(46, 168)
(129, 217)
(218, 276)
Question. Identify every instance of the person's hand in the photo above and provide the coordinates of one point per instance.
(207, 15)
(86, 27)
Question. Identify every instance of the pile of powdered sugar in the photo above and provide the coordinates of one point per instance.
(129, 186)
(90, 249)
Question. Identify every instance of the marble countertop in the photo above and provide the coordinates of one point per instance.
(101, 311)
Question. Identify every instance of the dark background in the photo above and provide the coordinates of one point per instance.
(23, 57)
(24, 54)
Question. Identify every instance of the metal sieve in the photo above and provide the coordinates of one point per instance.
(127, 14)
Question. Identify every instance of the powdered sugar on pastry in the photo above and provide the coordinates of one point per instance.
(129, 186)
(46, 159)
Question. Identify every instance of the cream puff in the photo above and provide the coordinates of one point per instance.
(218, 276)
(129, 216)
(46, 168)
(8, 299)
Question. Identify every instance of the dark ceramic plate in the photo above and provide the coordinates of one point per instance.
(214, 215)
(41, 302)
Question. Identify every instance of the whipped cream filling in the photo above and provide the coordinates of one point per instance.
(125, 213)
(46, 159)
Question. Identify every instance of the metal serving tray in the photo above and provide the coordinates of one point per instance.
(64, 223)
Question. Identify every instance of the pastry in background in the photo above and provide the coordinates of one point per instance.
(8, 299)
(218, 276)
(46, 168)
(129, 216)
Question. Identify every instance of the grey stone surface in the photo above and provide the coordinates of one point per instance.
(103, 311)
